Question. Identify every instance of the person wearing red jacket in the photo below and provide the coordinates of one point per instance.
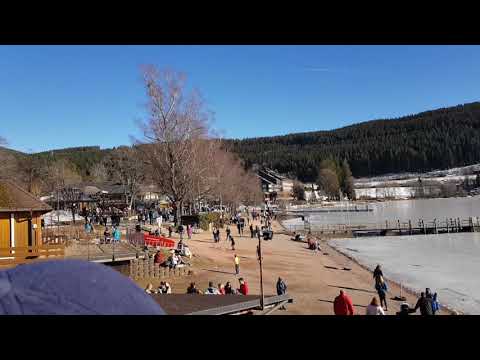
(243, 287)
(343, 304)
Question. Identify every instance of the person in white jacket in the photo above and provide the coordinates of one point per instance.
(374, 308)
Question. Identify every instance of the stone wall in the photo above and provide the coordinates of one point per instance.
(147, 269)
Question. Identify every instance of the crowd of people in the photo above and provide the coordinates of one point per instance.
(427, 302)
(163, 288)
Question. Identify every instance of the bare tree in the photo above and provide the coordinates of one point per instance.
(60, 179)
(175, 133)
(126, 166)
(32, 171)
(99, 173)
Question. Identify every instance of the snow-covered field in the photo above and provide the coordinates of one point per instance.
(448, 264)
(459, 172)
(62, 215)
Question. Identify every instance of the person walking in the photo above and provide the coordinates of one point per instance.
(189, 231)
(239, 227)
(435, 304)
(382, 289)
(170, 230)
(180, 231)
(374, 309)
(377, 273)
(425, 305)
(236, 259)
(117, 234)
(252, 234)
(342, 305)
(281, 289)
(228, 233)
(233, 242)
(150, 216)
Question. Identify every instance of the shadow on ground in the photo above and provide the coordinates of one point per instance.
(331, 302)
(356, 289)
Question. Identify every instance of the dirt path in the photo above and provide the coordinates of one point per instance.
(311, 277)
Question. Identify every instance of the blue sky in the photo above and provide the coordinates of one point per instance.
(63, 96)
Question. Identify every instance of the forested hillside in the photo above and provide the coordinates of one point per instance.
(83, 158)
(437, 139)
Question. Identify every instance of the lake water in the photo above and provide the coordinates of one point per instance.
(447, 263)
(403, 210)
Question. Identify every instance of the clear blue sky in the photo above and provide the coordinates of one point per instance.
(63, 96)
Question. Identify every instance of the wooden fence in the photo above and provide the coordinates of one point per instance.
(12, 256)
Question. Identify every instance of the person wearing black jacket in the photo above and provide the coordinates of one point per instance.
(425, 305)
(281, 289)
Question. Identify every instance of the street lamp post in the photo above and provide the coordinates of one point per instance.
(259, 253)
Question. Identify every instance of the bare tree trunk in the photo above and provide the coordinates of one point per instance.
(178, 212)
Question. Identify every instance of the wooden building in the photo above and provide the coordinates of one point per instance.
(20, 216)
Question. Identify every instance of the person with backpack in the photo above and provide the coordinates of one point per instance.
(425, 305)
(381, 287)
(377, 273)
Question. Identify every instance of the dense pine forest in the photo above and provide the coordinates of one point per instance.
(437, 139)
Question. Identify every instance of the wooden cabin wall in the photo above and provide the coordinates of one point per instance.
(4, 230)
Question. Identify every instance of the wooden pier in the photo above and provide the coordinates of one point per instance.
(393, 228)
